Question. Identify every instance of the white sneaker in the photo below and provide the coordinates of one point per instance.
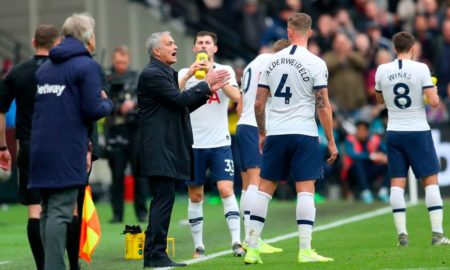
(310, 255)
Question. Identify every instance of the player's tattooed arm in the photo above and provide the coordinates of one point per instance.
(320, 103)
(326, 120)
(260, 109)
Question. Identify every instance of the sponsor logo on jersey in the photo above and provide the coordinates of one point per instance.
(51, 89)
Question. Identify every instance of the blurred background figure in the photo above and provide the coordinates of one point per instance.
(346, 81)
(441, 50)
(121, 135)
(277, 30)
(366, 162)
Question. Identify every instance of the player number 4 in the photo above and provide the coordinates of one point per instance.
(287, 93)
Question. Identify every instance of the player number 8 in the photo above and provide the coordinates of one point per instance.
(402, 100)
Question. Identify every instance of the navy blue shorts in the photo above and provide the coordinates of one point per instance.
(219, 160)
(411, 148)
(295, 155)
(247, 141)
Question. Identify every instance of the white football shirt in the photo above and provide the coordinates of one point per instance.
(292, 75)
(402, 83)
(210, 121)
(249, 87)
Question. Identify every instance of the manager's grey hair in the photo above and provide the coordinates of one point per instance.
(154, 41)
(79, 26)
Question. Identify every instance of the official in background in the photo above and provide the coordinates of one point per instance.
(121, 134)
(165, 136)
(20, 84)
(68, 100)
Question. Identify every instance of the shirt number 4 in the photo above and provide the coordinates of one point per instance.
(287, 93)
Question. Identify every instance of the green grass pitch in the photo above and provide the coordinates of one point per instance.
(367, 244)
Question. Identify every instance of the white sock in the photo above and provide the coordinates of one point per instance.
(398, 205)
(433, 202)
(195, 216)
(231, 210)
(306, 215)
(244, 217)
(248, 201)
(258, 215)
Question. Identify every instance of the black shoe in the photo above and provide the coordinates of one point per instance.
(163, 262)
(115, 220)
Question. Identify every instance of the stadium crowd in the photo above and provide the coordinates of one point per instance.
(352, 36)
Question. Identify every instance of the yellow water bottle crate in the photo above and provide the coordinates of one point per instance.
(134, 243)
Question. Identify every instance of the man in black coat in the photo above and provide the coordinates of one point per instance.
(165, 136)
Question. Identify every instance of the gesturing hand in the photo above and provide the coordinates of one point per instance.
(217, 79)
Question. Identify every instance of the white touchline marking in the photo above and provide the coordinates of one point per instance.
(324, 227)
(420, 268)
(4, 262)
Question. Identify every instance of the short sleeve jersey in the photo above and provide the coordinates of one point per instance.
(249, 86)
(292, 75)
(210, 121)
(402, 83)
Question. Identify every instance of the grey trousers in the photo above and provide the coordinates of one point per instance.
(57, 212)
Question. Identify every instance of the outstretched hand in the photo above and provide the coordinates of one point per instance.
(217, 79)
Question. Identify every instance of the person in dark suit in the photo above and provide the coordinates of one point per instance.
(165, 136)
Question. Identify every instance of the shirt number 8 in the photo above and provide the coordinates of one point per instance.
(402, 100)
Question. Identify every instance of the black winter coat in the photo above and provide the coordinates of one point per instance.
(164, 132)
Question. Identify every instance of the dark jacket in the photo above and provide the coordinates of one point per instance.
(67, 102)
(165, 133)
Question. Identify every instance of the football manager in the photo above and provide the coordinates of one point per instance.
(165, 136)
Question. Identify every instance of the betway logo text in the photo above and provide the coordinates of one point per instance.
(51, 89)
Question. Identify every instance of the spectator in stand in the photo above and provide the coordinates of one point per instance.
(417, 51)
(377, 40)
(346, 81)
(430, 9)
(314, 47)
(362, 45)
(326, 27)
(382, 57)
(446, 15)
(252, 24)
(441, 50)
(278, 28)
(424, 37)
(345, 23)
(366, 161)
(405, 14)
(370, 14)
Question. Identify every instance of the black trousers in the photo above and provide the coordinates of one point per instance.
(118, 158)
(162, 190)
